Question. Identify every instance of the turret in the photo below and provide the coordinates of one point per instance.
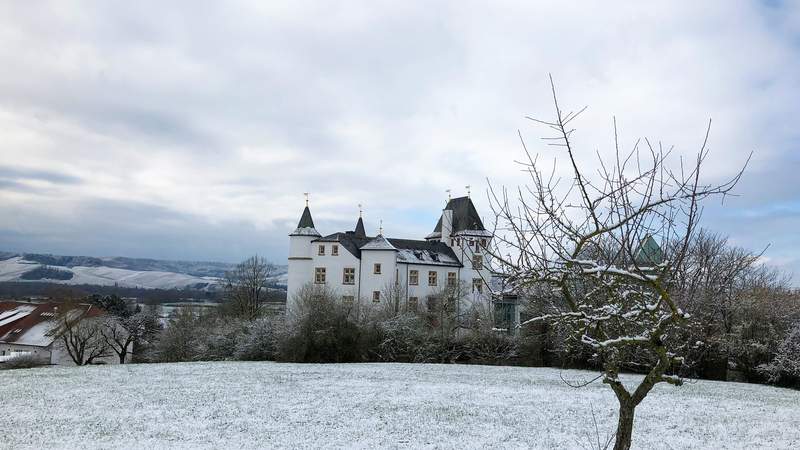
(300, 259)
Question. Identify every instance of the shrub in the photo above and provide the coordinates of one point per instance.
(22, 362)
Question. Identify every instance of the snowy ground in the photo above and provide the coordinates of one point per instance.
(12, 269)
(261, 405)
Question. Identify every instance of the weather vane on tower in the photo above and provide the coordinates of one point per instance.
(305, 194)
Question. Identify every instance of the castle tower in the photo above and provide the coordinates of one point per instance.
(300, 260)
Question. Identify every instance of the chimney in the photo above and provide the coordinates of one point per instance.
(447, 226)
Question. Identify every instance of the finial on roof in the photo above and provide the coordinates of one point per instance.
(468, 193)
(359, 210)
(306, 195)
(380, 230)
(448, 195)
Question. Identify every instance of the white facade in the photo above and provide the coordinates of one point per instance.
(364, 269)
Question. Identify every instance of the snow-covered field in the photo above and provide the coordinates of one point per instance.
(263, 405)
(12, 269)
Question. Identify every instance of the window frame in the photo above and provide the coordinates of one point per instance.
(413, 277)
(321, 250)
(320, 271)
(452, 279)
(434, 276)
(353, 276)
(477, 262)
(377, 269)
(335, 250)
(376, 296)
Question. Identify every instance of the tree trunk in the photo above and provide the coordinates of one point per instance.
(624, 426)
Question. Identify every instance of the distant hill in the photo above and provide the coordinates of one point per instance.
(118, 271)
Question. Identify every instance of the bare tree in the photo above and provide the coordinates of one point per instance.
(80, 333)
(246, 288)
(593, 240)
(123, 333)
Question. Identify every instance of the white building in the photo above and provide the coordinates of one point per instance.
(362, 268)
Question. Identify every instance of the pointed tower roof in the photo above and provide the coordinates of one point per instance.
(305, 220)
(465, 216)
(360, 232)
(649, 253)
(306, 225)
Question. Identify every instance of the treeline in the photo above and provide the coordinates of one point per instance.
(323, 329)
(56, 291)
(743, 320)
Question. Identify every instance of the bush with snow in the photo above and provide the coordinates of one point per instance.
(785, 368)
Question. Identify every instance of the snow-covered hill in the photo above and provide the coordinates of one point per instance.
(406, 406)
(127, 272)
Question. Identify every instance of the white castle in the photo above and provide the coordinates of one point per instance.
(360, 268)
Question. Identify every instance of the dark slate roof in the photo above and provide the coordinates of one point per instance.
(305, 219)
(348, 240)
(360, 233)
(412, 251)
(465, 216)
(425, 252)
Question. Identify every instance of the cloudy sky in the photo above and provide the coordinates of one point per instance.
(190, 130)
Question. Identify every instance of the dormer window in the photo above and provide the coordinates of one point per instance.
(334, 250)
(321, 251)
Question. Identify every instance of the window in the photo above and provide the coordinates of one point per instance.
(413, 277)
(319, 275)
(349, 275)
(412, 303)
(335, 250)
(483, 243)
(432, 278)
(376, 296)
(433, 303)
(477, 285)
(504, 315)
(451, 279)
(477, 262)
(321, 250)
(347, 300)
(377, 269)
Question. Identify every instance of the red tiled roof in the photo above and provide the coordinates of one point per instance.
(28, 323)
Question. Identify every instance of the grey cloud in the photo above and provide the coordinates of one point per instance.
(13, 174)
(192, 128)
